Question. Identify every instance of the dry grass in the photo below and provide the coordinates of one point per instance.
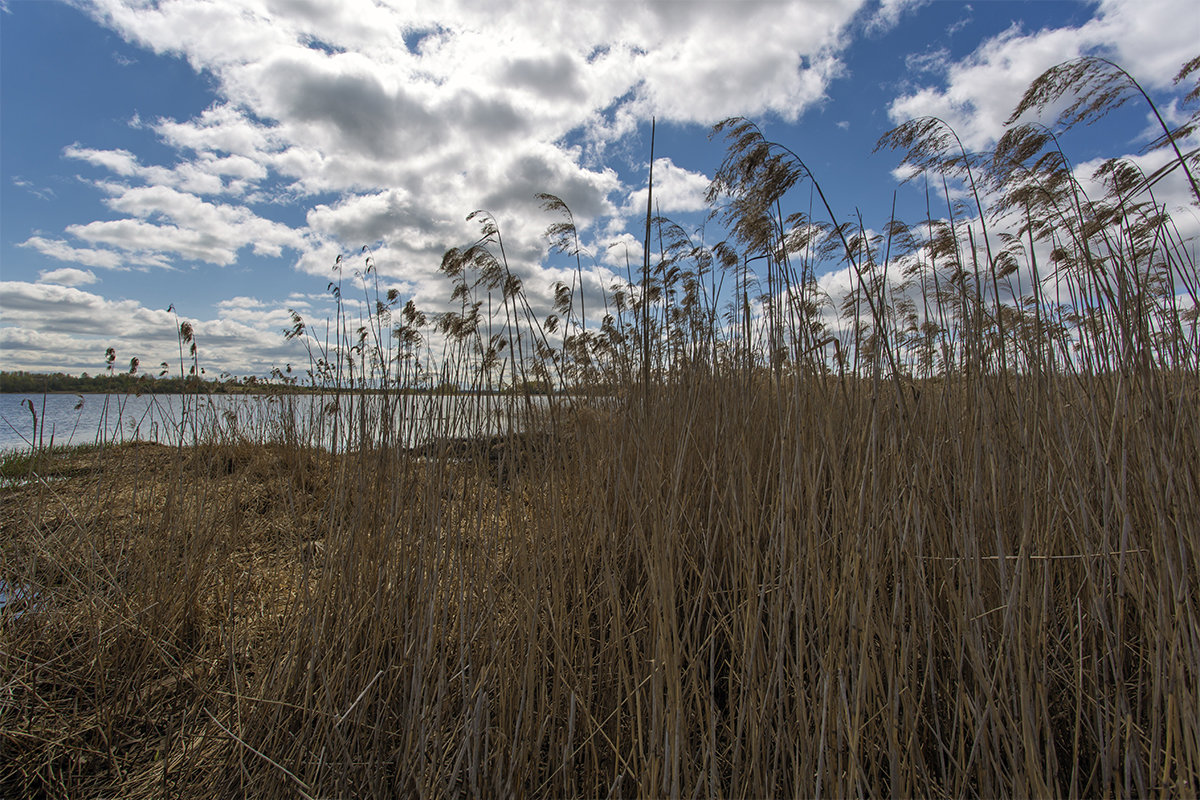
(783, 591)
(958, 557)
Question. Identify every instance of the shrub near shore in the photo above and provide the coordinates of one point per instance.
(946, 549)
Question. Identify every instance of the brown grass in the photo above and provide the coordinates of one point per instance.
(744, 594)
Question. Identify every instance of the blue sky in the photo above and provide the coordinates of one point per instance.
(218, 156)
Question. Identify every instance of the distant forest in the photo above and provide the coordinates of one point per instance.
(125, 383)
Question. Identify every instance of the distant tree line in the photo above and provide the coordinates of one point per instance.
(21, 382)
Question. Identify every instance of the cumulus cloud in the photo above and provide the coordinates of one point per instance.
(675, 190)
(168, 217)
(67, 276)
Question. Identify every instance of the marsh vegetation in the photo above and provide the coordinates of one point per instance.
(938, 539)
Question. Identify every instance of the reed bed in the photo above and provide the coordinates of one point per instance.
(939, 539)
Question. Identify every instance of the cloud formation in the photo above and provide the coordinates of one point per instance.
(51, 327)
(67, 276)
(1149, 38)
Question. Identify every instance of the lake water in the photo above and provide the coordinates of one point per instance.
(319, 419)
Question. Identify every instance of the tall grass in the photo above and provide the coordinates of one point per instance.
(939, 539)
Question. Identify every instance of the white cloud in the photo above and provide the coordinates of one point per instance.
(166, 222)
(220, 128)
(107, 259)
(931, 61)
(889, 12)
(67, 276)
(1172, 192)
(50, 327)
(905, 172)
(621, 253)
(45, 193)
(1149, 38)
(240, 302)
(207, 174)
(122, 162)
(675, 190)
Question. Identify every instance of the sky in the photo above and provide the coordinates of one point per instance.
(209, 160)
